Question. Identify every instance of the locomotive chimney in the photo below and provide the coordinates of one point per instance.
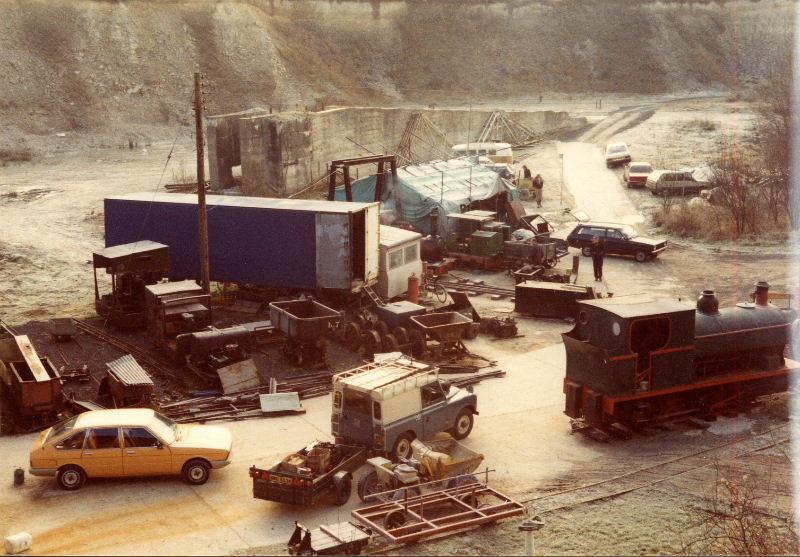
(762, 293)
(708, 302)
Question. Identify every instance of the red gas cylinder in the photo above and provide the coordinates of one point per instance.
(413, 288)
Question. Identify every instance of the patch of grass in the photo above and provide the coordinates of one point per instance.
(701, 124)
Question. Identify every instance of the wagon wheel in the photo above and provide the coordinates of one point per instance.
(418, 345)
(382, 328)
(440, 293)
(472, 331)
(372, 341)
(390, 343)
(361, 322)
(401, 334)
(352, 335)
(394, 519)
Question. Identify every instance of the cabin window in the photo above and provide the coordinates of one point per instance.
(411, 253)
(337, 399)
(355, 401)
(648, 335)
(432, 394)
(376, 410)
(395, 258)
(73, 442)
(103, 438)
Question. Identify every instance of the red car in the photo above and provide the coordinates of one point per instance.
(636, 173)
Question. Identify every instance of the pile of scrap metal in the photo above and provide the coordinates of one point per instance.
(30, 386)
(500, 327)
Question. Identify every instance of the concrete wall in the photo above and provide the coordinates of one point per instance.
(283, 153)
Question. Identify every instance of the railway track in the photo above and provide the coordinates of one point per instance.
(157, 365)
(657, 473)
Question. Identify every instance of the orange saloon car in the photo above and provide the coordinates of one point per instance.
(128, 442)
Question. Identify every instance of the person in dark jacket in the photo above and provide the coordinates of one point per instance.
(598, 251)
(538, 184)
(526, 172)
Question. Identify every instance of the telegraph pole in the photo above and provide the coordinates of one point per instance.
(201, 183)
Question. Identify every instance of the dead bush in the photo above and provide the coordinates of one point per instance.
(183, 175)
(15, 154)
(701, 124)
(694, 221)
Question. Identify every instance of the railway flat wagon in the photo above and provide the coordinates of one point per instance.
(277, 243)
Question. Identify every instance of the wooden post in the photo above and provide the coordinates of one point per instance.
(201, 183)
(332, 182)
(348, 189)
(379, 182)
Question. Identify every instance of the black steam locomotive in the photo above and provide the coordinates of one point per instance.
(635, 359)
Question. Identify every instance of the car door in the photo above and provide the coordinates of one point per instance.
(70, 449)
(616, 242)
(102, 453)
(435, 417)
(144, 454)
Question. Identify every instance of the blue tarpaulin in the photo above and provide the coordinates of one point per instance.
(447, 185)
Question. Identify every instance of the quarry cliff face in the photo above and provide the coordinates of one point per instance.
(82, 65)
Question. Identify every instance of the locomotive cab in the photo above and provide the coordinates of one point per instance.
(638, 359)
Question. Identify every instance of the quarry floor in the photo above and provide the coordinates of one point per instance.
(53, 211)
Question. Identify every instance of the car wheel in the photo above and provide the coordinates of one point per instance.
(641, 256)
(402, 447)
(586, 251)
(196, 472)
(463, 424)
(71, 477)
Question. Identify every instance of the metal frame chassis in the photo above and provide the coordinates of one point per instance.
(462, 517)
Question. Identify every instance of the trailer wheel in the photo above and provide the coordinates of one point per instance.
(469, 499)
(401, 334)
(394, 519)
(71, 477)
(418, 345)
(368, 485)
(382, 328)
(343, 489)
(390, 343)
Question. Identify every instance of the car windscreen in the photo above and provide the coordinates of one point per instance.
(61, 429)
(617, 148)
(641, 168)
(164, 428)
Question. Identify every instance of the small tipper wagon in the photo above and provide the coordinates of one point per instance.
(305, 477)
(447, 328)
(306, 324)
(344, 538)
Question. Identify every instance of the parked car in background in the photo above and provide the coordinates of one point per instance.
(675, 182)
(616, 154)
(128, 442)
(620, 239)
(636, 173)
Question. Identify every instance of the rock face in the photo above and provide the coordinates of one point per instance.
(80, 66)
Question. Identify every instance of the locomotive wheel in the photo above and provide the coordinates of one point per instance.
(418, 345)
(361, 322)
(390, 343)
(372, 342)
(352, 335)
(401, 334)
(382, 328)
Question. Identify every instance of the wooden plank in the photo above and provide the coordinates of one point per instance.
(32, 359)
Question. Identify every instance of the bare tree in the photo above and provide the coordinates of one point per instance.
(736, 180)
(739, 518)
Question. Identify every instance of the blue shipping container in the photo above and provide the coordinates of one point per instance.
(272, 242)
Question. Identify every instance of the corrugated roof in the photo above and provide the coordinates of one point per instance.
(392, 236)
(128, 371)
(312, 205)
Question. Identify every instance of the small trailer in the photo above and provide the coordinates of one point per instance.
(344, 538)
(447, 328)
(305, 477)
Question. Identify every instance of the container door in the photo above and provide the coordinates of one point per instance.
(372, 257)
(333, 251)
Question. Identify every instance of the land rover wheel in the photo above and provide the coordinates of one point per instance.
(402, 447)
(641, 256)
(586, 251)
(196, 472)
(463, 424)
(71, 477)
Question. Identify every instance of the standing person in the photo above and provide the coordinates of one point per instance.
(526, 172)
(538, 184)
(598, 251)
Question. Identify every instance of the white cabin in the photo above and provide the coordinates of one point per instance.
(399, 259)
